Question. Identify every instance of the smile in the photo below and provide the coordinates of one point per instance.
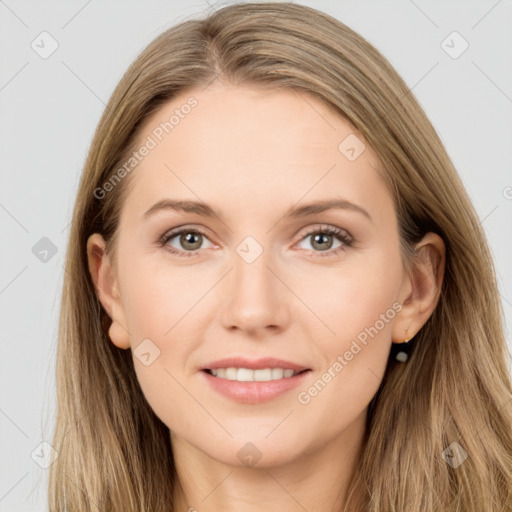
(242, 385)
(249, 375)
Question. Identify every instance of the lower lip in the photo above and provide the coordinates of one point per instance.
(254, 392)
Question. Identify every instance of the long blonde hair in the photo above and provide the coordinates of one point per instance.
(114, 453)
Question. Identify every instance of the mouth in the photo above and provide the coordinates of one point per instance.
(254, 381)
(254, 375)
(254, 386)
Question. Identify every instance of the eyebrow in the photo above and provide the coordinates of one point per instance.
(206, 210)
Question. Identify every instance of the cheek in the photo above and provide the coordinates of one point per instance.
(357, 308)
(354, 297)
(159, 294)
(161, 305)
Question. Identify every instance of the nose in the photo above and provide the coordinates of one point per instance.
(257, 300)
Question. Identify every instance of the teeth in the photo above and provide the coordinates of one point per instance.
(248, 375)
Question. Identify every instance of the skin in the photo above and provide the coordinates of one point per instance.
(252, 155)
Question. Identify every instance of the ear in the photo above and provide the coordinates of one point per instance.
(421, 289)
(107, 289)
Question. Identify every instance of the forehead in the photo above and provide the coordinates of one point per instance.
(243, 146)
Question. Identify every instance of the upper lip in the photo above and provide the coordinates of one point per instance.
(255, 364)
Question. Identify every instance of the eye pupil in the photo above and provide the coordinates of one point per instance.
(321, 239)
(188, 238)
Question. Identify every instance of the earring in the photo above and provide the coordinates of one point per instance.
(401, 351)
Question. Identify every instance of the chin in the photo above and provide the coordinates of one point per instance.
(257, 451)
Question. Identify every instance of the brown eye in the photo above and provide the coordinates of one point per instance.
(184, 242)
(191, 241)
(321, 241)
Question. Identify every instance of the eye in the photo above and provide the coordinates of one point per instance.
(189, 239)
(323, 239)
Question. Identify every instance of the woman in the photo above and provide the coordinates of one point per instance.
(266, 222)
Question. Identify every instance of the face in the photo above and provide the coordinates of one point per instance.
(261, 276)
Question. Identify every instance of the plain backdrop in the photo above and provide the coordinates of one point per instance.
(50, 105)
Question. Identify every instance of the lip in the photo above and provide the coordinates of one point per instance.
(253, 392)
(255, 364)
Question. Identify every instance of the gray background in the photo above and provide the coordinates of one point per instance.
(50, 108)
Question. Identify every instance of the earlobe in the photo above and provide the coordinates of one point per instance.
(107, 290)
(424, 288)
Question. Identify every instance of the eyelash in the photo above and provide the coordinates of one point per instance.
(346, 240)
